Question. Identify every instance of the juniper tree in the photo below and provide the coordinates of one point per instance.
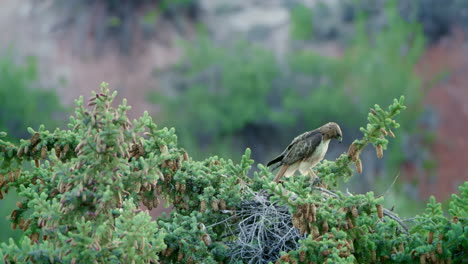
(81, 193)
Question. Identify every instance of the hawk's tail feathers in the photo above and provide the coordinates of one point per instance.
(281, 173)
(277, 159)
(277, 166)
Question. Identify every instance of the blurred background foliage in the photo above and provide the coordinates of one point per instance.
(224, 98)
(22, 103)
(219, 92)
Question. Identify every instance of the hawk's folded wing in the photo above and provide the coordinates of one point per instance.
(301, 147)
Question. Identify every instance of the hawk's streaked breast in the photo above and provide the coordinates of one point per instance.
(315, 158)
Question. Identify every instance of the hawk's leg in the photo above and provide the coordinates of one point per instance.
(312, 175)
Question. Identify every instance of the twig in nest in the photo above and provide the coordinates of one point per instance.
(262, 231)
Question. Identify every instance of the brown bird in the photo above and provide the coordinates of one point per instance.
(306, 150)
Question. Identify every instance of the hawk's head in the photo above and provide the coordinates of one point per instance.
(332, 130)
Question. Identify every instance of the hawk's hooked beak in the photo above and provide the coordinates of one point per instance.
(340, 138)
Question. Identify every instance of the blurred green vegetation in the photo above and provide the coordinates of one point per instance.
(222, 92)
(224, 89)
(22, 104)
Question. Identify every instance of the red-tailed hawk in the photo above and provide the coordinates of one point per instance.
(306, 150)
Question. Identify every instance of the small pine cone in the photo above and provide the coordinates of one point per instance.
(313, 211)
(66, 148)
(35, 139)
(159, 189)
(177, 199)
(57, 150)
(350, 223)
(401, 247)
(203, 206)
(169, 252)
(26, 224)
(373, 111)
(296, 221)
(433, 257)
(20, 152)
(214, 205)
(344, 254)
(302, 227)
(163, 149)
(222, 204)
(422, 259)
(380, 211)
(326, 252)
(379, 151)
(358, 166)
(79, 146)
(390, 132)
(353, 152)
(206, 239)
(439, 248)
(173, 165)
(325, 226)
(135, 244)
(184, 206)
(302, 256)
(177, 186)
(168, 177)
(185, 156)
(13, 226)
(373, 256)
(21, 224)
(19, 204)
(43, 152)
(180, 256)
(141, 150)
(430, 237)
(178, 164)
(34, 236)
(315, 232)
(14, 214)
(354, 211)
(160, 175)
(313, 219)
(384, 132)
(183, 188)
(286, 258)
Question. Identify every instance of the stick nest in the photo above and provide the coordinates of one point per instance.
(262, 231)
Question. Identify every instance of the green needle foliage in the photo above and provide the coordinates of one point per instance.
(81, 195)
